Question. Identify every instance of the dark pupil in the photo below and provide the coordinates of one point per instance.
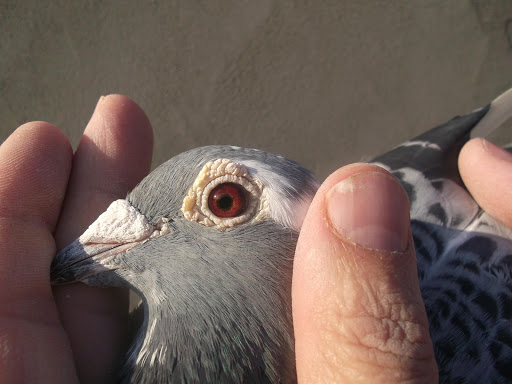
(225, 202)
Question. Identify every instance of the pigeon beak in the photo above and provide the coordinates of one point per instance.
(118, 229)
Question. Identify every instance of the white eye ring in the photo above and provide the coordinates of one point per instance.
(195, 205)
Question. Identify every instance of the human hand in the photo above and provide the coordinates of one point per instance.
(358, 312)
(36, 166)
(487, 172)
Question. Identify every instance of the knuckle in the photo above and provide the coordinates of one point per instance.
(384, 335)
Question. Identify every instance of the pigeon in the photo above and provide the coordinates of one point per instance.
(208, 238)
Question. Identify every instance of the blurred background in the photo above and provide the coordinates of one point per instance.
(322, 82)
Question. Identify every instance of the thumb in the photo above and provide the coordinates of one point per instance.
(357, 308)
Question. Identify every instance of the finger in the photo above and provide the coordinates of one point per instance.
(113, 156)
(357, 307)
(35, 162)
(487, 173)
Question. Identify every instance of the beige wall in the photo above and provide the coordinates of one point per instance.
(322, 82)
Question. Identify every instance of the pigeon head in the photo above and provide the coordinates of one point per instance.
(207, 240)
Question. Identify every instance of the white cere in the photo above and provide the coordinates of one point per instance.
(121, 223)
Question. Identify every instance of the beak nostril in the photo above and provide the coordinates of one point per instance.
(117, 230)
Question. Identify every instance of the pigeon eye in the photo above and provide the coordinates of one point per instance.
(228, 200)
(224, 194)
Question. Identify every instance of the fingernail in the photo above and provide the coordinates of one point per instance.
(101, 99)
(496, 151)
(370, 209)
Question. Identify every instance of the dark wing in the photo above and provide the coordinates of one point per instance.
(464, 256)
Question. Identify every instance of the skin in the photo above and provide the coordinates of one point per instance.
(356, 319)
